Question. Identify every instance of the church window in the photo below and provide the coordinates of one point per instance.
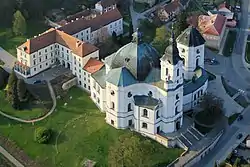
(150, 94)
(145, 113)
(177, 97)
(197, 51)
(197, 62)
(195, 97)
(183, 50)
(166, 71)
(112, 122)
(129, 107)
(112, 93)
(144, 125)
(157, 114)
(112, 105)
(178, 71)
(129, 94)
(176, 110)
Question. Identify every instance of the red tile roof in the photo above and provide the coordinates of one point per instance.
(55, 36)
(212, 24)
(93, 65)
(107, 3)
(172, 7)
(94, 23)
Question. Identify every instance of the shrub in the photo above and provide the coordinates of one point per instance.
(42, 135)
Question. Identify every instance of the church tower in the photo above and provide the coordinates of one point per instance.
(191, 46)
(172, 76)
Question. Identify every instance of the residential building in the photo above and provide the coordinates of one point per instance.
(167, 12)
(105, 6)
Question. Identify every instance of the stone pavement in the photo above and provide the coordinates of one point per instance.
(10, 157)
(230, 106)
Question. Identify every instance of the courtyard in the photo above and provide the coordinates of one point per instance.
(80, 133)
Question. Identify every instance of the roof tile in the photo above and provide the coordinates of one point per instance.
(93, 65)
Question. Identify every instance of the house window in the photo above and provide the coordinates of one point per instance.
(112, 105)
(45, 50)
(176, 110)
(46, 64)
(40, 66)
(195, 97)
(112, 122)
(51, 48)
(197, 62)
(46, 57)
(157, 114)
(34, 56)
(166, 71)
(144, 125)
(129, 94)
(89, 87)
(67, 51)
(112, 93)
(178, 71)
(145, 113)
(84, 85)
(79, 76)
(98, 100)
(129, 107)
(80, 83)
(34, 69)
(39, 53)
(40, 59)
(34, 62)
(201, 92)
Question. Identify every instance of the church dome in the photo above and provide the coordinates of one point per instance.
(138, 57)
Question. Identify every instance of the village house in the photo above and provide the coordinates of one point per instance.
(167, 12)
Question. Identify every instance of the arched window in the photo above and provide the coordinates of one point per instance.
(129, 107)
(195, 97)
(166, 71)
(129, 94)
(157, 114)
(176, 110)
(112, 105)
(176, 96)
(145, 113)
(144, 125)
(178, 71)
(197, 62)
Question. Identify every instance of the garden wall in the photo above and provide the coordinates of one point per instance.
(67, 85)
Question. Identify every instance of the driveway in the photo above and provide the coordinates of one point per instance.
(8, 59)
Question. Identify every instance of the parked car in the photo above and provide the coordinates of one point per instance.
(37, 82)
(239, 136)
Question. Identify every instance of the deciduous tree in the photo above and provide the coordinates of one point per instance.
(19, 24)
(21, 89)
(181, 23)
(14, 98)
(161, 40)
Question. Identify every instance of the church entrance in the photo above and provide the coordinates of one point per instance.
(177, 125)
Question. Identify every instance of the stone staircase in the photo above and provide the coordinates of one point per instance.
(190, 137)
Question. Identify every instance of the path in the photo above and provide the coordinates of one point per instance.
(12, 159)
(52, 93)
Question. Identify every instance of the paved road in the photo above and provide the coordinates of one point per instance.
(12, 159)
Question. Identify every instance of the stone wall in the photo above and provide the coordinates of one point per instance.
(67, 85)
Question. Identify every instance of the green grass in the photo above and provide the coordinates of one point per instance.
(86, 135)
(140, 7)
(247, 54)
(24, 114)
(229, 44)
(9, 42)
(232, 118)
(230, 90)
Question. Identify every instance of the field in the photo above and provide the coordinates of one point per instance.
(9, 42)
(83, 135)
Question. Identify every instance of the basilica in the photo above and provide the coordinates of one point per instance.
(138, 88)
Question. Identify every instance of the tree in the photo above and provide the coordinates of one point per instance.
(21, 89)
(3, 78)
(14, 98)
(131, 30)
(42, 135)
(128, 151)
(181, 23)
(114, 37)
(212, 105)
(11, 84)
(161, 40)
(19, 24)
(237, 163)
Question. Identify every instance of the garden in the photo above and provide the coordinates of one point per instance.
(78, 132)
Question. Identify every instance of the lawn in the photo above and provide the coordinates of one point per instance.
(232, 118)
(84, 134)
(247, 54)
(229, 44)
(9, 42)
